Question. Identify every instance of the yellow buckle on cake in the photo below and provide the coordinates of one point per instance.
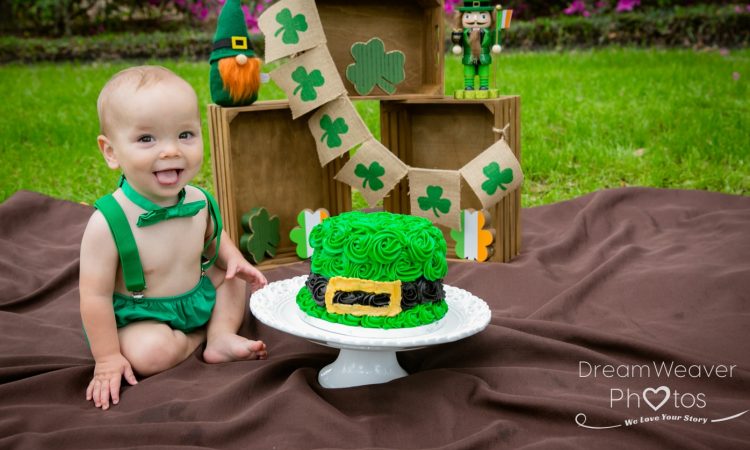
(344, 284)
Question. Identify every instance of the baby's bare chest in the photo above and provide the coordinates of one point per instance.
(176, 244)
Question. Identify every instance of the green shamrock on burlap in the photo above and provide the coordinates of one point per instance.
(307, 83)
(434, 201)
(262, 234)
(290, 26)
(496, 178)
(374, 66)
(333, 128)
(371, 175)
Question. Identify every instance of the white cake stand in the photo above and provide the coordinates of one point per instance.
(366, 356)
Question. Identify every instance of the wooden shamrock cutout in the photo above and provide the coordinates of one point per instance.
(374, 66)
(473, 241)
(262, 234)
(307, 220)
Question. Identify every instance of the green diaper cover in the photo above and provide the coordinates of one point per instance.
(186, 312)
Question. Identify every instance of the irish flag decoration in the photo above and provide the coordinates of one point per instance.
(307, 219)
(473, 241)
(505, 18)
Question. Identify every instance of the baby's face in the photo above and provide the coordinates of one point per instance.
(156, 137)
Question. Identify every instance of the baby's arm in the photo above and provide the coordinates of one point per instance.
(99, 262)
(231, 259)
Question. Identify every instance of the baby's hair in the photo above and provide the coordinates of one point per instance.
(135, 78)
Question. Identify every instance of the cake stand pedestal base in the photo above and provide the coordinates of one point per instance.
(366, 355)
(361, 367)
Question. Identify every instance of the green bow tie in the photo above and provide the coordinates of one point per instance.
(157, 213)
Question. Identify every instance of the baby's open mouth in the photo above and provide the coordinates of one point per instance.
(169, 176)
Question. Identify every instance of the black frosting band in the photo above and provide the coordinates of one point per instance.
(413, 293)
(362, 298)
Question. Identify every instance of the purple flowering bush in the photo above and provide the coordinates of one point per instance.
(534, 9)
(86, 17)
(208, 10)
(29, 18)
(581, 7)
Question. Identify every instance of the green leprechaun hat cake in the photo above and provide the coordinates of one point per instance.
(376, 270)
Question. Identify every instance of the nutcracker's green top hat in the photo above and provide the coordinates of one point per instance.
(476, 5)
(231, 38)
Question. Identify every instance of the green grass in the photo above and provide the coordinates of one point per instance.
(590, 120)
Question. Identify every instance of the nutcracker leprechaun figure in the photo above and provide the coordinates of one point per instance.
(477, 35)
(235, 71)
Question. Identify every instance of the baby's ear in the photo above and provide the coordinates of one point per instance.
(107, 151)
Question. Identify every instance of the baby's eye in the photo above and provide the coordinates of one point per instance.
(146, 139)
(186, 135)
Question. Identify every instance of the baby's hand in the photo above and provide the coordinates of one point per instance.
(108, 373)
(245, 271)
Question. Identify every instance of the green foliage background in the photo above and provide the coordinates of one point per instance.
(698, 26)
(590, 120)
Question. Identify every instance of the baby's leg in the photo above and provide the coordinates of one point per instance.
(223, 343)
(153, 347)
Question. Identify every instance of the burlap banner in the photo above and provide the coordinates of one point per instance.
(291, 26)
(336, 128)
(373, 171)
(436, 195)
(493, 174)
(309, 80)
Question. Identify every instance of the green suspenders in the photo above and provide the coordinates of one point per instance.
(132, 269)
(213, 211)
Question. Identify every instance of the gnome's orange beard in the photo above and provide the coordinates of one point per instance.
(241, 81)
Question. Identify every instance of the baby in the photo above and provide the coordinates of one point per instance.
(158, 275)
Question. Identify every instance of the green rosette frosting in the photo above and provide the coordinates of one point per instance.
(419, 315)
(379, 247)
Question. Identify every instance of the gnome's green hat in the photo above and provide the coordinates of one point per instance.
(476, 5)
(231, 38)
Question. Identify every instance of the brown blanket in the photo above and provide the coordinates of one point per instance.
(624, 305)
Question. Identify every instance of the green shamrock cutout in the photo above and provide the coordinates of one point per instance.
(434, 201)
(371, 175)
(374, 66)
(262, 234)
(307, 83)
(333, 128)
(496, 178)
(290, 26)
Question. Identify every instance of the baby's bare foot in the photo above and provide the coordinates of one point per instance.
(231, 347)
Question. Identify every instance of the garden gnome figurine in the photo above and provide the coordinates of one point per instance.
(474, 36)
(235, 71)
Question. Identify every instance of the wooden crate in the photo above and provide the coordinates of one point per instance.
(447, 134)
(414, 27)
(261, 157)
